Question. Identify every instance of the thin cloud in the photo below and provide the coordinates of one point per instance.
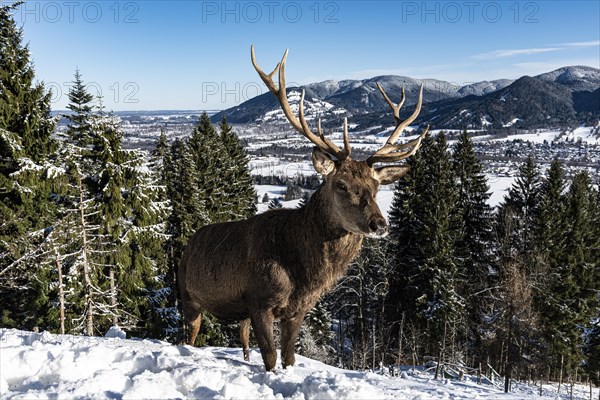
(514, 52)
(591, 43)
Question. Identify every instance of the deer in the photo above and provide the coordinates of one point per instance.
(276, 265)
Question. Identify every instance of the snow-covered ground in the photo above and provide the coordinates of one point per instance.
(47, 366)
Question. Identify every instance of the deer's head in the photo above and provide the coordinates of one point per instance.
(350, 186)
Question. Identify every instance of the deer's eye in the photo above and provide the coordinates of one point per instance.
(342, 186)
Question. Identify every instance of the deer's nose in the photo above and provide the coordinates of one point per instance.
(378, 227)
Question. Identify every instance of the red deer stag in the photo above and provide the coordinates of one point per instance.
(277, 264)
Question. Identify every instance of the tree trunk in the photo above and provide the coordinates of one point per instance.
(509, 360)
(113, 297)
(562, 360)
(400, 340)
(61, 292)
(89, 304)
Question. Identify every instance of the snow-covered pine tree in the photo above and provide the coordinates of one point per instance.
(212, 164)
(165, 317)
(240, 193)
(474, 246)
(275, 204)
(425, 229)
(129, 220)
(145, 201)
(24, 102)
(523, 201)
(188, 212)
(304, 200)
(553, 286)
(515, 316)
(316, 337)
(26, 173)
(581, 257)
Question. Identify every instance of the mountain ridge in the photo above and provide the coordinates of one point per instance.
(565, 96)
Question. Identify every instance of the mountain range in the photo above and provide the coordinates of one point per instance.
(568, 96)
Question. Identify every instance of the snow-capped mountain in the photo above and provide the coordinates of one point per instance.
(576, 78)
(567, 96)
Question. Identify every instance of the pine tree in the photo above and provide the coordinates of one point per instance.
(275, 204)
(550, 245)
(165, 315)
(523, 200)
(475, 242)
(581, 258)
(24, 103)
(129, 220)
(304, 200)
(425, 230)
(240, 191)
(315, 339)
(519, 271)
(209, 158)
(81, 105)
(26, 178)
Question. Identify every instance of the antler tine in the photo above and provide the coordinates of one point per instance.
(401, 125)
(390, 151)
(300, 125)
(347, 148)
(398, 156)
(395, 107)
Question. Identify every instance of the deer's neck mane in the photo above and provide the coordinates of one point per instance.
(330, 248)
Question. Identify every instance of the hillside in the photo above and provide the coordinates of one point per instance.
(43, 365)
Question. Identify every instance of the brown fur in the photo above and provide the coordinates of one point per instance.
(276, 265)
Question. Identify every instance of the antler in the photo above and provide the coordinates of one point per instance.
(391, 152)
(301, 125)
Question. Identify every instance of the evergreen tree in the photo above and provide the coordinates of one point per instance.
(475, 242)
(550, 246)
(523, 201)
(275, 204)
(515, 227)
(166, 317)
(80, 103)
(425, 230)
(24, 103)
(582, 283)
(26, 178)
(315, 339)
(591, 351)
(304, 200)
(240, 191)
(211, 163)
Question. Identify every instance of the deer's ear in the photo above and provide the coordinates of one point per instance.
(322, 162)
(390, 174)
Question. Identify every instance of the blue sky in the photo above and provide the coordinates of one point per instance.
(149, 55)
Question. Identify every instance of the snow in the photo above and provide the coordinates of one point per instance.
(44, 366)
(116, 332)
(512, 122)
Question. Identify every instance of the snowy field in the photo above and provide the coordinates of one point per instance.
(47, 366)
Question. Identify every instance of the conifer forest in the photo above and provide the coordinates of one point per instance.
(91, 234)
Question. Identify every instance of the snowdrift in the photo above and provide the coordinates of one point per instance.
(43, 366)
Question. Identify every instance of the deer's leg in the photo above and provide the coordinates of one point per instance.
(262, 323)
(193, 315)
(245, 337)
(290, 328)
